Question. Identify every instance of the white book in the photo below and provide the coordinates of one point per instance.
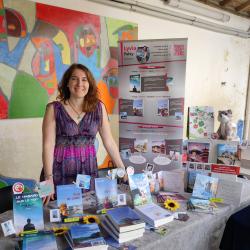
(154, 215)
(230, 177)
(229, 191)
(120, 237)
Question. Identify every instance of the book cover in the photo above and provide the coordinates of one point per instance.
(227, 154)
(41, 240)
(198, 151)
(106, 193)
(86, 235)
(83, 181)
(205, 187)
(27, 212)
(154, 214)
(120, 237)
(140, 191)
(69, 201)
(201, 122)
(125, 219)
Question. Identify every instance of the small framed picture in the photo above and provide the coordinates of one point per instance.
(54, 215)
(199, 166)
(207, 167)
(121, 198)
(192, 165)
(149, 167)
(8, 228)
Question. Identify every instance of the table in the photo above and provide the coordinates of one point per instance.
(200, 232)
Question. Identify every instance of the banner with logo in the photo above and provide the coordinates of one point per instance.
(151, 101)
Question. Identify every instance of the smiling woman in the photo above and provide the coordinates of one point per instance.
(70, 126)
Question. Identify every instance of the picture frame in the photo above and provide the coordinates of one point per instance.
(54, 215)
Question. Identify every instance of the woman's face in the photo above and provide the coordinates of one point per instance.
(78, 84)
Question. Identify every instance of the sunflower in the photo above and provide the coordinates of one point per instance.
(60, 230)
(88, 219)
(171, 205)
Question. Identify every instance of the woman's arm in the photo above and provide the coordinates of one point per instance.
(108, 140)
(49, 135)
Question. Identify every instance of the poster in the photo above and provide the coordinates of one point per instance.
(151, 100)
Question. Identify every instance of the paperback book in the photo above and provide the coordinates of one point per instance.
(154, 215)
(106, 193)
(227, 154)
(205, 187)
(124, 219)
(118, 236)
(69, 201)
(198, 151)
(201, 122)
(27, 212)
(140, 190)
(86, 236)
(41, 240)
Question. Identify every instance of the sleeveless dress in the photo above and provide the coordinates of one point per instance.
(74, 151)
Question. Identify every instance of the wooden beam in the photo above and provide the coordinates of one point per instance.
(224, 2)
(242, 6)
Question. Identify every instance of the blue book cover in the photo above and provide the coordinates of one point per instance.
(205, 187)
(227, 154)
(124, 216)
(27, 212)
(69, 201)
(86, 235)
(45, 241)
(106, 193)
(140, 191)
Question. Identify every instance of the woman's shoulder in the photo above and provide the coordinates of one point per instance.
(54, 104)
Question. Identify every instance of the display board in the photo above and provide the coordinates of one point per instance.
(151, 100)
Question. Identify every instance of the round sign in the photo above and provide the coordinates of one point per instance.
(130, 170)
(120, 172)
(18, 188)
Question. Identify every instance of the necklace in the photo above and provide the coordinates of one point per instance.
(79, 115)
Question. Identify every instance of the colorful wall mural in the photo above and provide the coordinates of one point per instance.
(38, 43)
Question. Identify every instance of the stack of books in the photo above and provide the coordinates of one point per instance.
(123, 224)
(151, 213)
(85, 236)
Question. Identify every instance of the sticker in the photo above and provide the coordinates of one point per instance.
(18, 188)
(120, 172)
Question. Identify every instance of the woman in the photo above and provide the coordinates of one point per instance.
(69, 130)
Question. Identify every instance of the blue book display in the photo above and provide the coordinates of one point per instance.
(125, 219)
(69, 201)
(45, 241)
(27, 212)
(140, 190)
(106, 193)
(86, 236)
(205, 187)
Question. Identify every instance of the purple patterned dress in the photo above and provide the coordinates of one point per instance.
(74, 149)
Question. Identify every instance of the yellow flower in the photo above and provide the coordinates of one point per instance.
(88, 219)
(171, 205)
(60, 230)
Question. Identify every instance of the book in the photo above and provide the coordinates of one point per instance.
(124, 219)
(41, 240)
(140, 191)
(154, 215)
(28, 212)
(69, 201)
(163, 196)
(227, 154)
(205, 187)
(173, 180)
(198, 151)
(200, 122)
(106, 193)
(86, 236)
(83, 181)
(120, 237)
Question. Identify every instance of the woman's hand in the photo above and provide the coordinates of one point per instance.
(50, 197)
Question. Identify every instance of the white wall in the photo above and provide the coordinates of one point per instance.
(212, 58)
